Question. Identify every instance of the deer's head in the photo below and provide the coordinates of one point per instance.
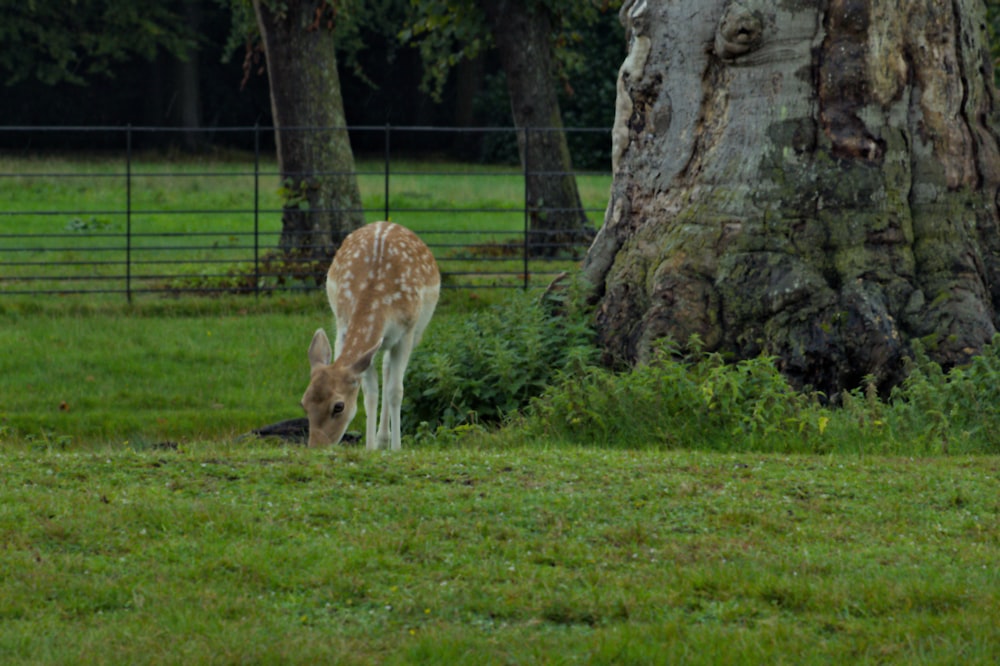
(331, 401)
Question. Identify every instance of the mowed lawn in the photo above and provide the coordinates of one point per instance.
(226, 553)
(76, 374)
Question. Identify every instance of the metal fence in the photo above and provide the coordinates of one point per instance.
(125, 219)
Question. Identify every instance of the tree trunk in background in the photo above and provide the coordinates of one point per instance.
(468, 83)
(187, 82)
(322, 203)
(813, 180)
(523, 38)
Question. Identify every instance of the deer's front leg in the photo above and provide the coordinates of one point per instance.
(390, 430)
(369, 387)
(385, 425)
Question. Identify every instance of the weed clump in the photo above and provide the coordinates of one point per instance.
(489, 364)
(678, 401)
(516, 363)
(698, 400)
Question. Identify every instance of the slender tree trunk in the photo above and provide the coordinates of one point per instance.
(468, 83)
(522, 32)
(322, 200)
(187, 81)
(813, 180)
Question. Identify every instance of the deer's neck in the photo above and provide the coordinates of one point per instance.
(365, 326)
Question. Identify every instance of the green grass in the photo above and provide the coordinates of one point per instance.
(71, 213)
(101, 371)
(136, 527)
(129, 373)
(222, 553)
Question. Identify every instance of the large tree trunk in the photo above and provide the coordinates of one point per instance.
(322, 200)
(522, 31)
(813, 180)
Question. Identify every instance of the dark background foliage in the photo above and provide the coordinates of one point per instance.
(382, 80)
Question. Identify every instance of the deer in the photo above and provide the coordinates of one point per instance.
(383, 286)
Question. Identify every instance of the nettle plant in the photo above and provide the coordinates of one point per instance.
(483, 367)
(517, 360)
(674, 401)
(698, 400)
(945, 412)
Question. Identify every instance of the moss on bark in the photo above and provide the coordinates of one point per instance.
(815, 204)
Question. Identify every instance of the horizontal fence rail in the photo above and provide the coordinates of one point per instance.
(133, 221)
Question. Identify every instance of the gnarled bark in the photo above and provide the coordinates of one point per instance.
(813, 180)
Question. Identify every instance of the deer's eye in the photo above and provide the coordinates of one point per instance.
(338, 407)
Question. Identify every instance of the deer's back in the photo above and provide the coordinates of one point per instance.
(381, 278)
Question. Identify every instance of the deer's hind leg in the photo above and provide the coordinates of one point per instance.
(393, 368)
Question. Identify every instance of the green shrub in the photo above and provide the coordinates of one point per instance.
(696, 401)
(515, 359)
(700, 401)
(479, 368)
(932, 412)
(941, 412)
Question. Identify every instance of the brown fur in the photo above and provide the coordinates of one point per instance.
(383, 286)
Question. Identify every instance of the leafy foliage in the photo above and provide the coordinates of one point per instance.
(490, 363)
(55, 41)
(673, 402)
(993, 29)
(448, 31)
(700, 401)
(939, 410)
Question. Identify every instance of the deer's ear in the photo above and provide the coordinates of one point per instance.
(319, 349)
(366, 359)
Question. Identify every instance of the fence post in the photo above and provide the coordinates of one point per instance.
(128, 213)
(386, 171)
(527, 202)
(256, 209)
